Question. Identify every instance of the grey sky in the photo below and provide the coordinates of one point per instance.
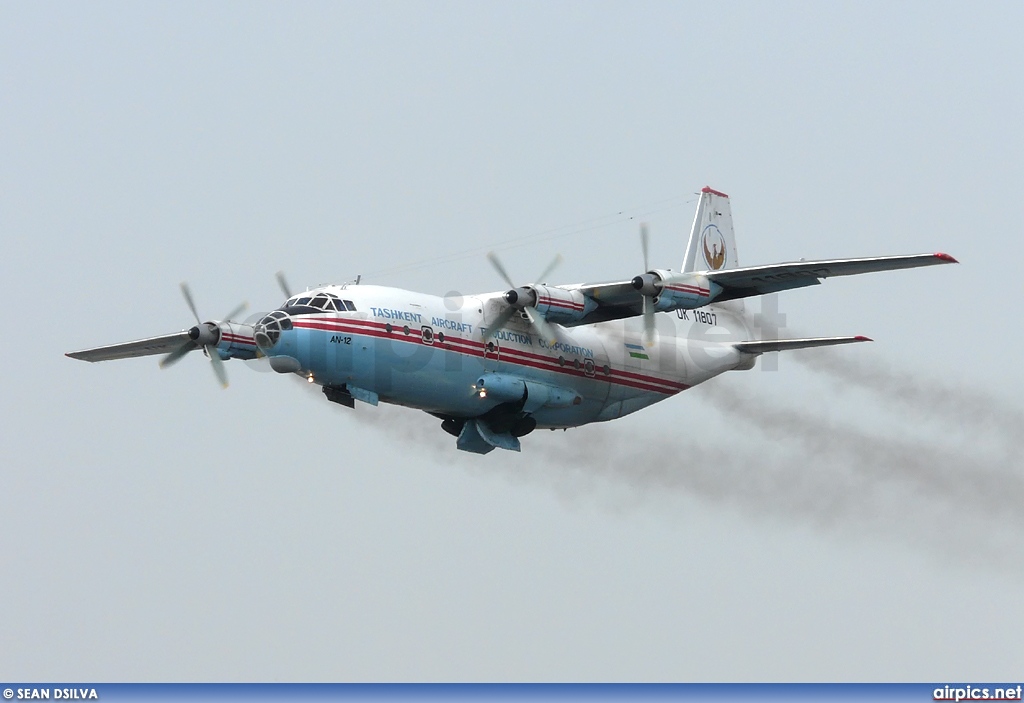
(157, 528)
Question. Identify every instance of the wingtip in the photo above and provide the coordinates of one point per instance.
(862, 338)
(946, 257)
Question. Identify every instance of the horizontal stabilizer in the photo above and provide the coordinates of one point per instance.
(163, 344)
(774, 345)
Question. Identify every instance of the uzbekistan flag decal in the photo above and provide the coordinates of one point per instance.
(636, 352)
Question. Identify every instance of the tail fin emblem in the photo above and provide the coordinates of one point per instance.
(713, 245)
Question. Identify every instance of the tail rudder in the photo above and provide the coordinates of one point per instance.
(712, 245)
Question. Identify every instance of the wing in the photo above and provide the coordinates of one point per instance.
(620, 299)
(614, 300)
(759, 280)
(164, 344)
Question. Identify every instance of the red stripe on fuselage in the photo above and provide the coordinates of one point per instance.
(474, 348)
(620, 376)
(675, 386)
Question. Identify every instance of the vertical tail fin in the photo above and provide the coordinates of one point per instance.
(712, 244)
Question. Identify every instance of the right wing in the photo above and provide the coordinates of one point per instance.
(772, 278)
(614, 302)
(620, 299)
(163, 344)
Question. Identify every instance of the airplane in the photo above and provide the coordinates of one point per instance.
(494, 367)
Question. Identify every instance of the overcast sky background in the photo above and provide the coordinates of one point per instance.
(159, 528)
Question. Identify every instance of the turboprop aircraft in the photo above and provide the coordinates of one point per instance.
(496, 366)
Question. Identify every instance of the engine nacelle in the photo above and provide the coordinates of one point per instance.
(554, 304)
(205, 334)
(672, 290)
(236, 341)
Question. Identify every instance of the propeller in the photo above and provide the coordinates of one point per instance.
(284, 284)
(648, 301)
(261, 363)
(519, 298)
(205, 336)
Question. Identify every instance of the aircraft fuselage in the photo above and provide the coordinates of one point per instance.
(428, 352)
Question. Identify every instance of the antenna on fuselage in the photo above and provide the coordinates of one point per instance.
(359, 277)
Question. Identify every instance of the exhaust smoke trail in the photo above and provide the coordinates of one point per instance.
(970, 481)
(826, 474)
(960, 501)
(946, 402)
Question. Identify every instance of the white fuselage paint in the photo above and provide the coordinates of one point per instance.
(427, 352)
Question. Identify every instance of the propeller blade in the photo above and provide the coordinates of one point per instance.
(218, 365)
(500, 322)
(496, 263)
(188, 299)
(644, 244)
(176, 355)
(648, 320)
(542, 326)
(551, 267)
(254, 317)
(648, 302)
(237, 311)
(284, 284)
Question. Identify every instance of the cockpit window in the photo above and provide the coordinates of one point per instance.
(350, 305)
(321, 301)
